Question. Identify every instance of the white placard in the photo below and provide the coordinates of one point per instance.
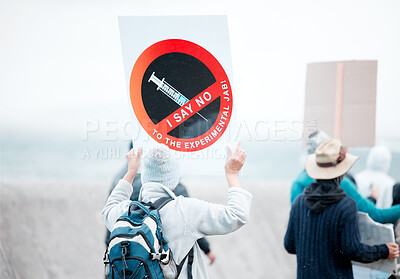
(373, 233)
(178, 72)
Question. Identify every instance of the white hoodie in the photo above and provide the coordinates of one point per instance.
(378, 165)
(184, 219)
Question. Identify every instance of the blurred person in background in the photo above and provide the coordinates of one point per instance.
(180, 190)
(323, 224)
(302, 181)
(376, 176)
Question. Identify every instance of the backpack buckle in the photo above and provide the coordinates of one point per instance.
(125, 248)
(161, 257)
(155, 256)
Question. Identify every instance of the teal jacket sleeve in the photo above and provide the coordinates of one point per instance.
(389, 215)
(302, 181)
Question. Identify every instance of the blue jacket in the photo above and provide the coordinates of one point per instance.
(390, 215)
(325, 243)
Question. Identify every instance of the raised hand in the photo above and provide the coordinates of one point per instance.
(235, 161)
(134, 159)
(133, 164)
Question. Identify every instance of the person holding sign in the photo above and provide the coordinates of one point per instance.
(184, 220)
(323, 225)
(180, 190)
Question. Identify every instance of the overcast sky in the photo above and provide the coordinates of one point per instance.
(61, 61)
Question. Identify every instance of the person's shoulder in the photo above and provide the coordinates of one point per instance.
(302, 181)
(189, 201)
(347, 205)
(348, 176)
(348, 182)
(185, 202)
(298, 201)
(302, 176)
(188, 206)
(347, 201)
(176, 204)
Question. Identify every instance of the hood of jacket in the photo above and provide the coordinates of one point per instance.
(152, 191)
(319, 196)
(379, 159)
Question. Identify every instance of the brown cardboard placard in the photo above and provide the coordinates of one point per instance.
(340, 100)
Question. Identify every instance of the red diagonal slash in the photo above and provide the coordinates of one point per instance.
(169, 123)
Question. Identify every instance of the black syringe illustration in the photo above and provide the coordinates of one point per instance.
(171, 92)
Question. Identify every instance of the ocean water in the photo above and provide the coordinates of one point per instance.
(44, 158)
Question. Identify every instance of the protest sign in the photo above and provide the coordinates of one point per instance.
(373, 233)
(340, 100)
(179, 79)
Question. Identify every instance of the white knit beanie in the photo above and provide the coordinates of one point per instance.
(160, 166)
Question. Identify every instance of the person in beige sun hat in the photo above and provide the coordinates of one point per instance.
(330, 160)
(323, 223)
(303, 181)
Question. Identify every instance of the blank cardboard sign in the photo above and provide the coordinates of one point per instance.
(340, 100)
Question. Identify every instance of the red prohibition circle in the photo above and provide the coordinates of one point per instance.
(223, 91)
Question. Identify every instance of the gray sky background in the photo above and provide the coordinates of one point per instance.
(61, 61)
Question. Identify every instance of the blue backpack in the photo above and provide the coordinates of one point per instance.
(138, 247)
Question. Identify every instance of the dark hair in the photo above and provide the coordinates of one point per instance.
(334, 181)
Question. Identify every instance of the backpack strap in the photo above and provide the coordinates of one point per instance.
(140, 206)
(160, 203)
(190, 263)
(137, 206)
(190, 257)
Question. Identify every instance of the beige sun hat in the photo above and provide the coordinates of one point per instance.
(330, 160)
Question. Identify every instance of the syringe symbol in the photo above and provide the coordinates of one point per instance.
(171, 92)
